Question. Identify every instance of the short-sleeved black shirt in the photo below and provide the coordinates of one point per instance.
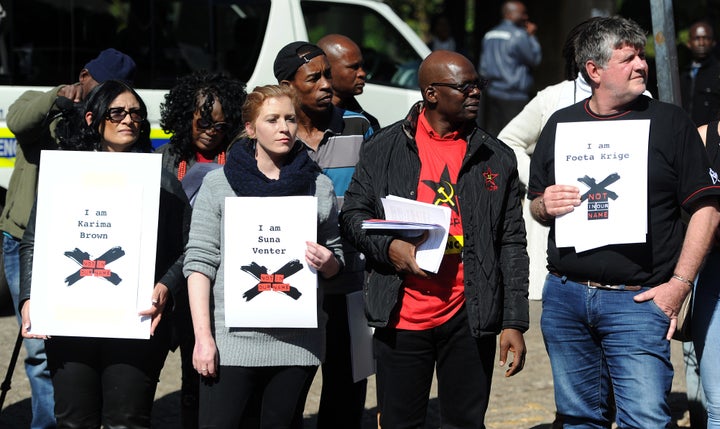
(679, 174)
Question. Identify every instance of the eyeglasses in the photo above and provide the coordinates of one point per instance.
(466, 88)
(219, 127)
(118, 114)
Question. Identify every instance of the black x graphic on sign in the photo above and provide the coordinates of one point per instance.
(272, 282)
(599, 188)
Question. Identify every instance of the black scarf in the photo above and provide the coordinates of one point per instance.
(297, 176)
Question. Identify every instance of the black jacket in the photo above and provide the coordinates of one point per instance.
(701, 96)
(173, 227)
(494, 255)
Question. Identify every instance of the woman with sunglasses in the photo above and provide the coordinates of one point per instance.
(202, 112)
(274, 366)
(108, 381)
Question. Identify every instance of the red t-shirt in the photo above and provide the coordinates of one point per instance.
(427, 303)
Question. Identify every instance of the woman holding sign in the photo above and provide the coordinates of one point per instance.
(240, 364)
(112, 381)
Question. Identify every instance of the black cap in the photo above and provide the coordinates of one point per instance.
(288, 60)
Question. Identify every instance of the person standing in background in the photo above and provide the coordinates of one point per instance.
(332, 136)
(440, 34)
(700, 81)
(705, 323)
(509, 53)
(203, 114)
(348, 74)
(700, 89)
(33, 118)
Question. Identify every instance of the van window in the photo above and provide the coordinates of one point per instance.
(389, 58)
(166, 38)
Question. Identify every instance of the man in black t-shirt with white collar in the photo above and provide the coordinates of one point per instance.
(610, 311)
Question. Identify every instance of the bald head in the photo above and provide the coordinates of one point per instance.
(440, 65)
(346, 66)
(335, 45)
(451, 91)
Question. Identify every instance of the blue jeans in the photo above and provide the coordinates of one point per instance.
(43, 404)
(706, 334)
(600, 341)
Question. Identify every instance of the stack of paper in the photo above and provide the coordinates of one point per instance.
(412, 218)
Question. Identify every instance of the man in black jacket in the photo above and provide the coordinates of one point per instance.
(700, 81)
(449, 319)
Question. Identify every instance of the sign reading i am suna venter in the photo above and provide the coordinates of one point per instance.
(268, 283)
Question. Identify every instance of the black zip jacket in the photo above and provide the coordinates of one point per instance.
(494, 255)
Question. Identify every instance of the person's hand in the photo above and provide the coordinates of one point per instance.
(74, 92)
(669, 298)
(26, 325)
(205, 356)
(321, 259)
(402, 255)
(159, 299)
(560, 199)
(513, 341)
(531, 28)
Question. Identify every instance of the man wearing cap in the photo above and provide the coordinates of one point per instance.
(348, 75)
(333, 137)
(32, 118)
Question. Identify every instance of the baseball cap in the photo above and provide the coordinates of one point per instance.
(111, 64)
(288, 60)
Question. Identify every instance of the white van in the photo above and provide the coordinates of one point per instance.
(170, 38)
(45, 43)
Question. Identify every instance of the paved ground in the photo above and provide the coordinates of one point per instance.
(522, 402)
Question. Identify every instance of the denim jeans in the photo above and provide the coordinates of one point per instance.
(706, 334)
(43, 414)
(585, 329)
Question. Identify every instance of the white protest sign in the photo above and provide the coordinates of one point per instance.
(268, 283)
(95, 240)
(607, 161)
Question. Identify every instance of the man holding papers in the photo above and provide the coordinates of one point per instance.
(611, 301)
(449, 319)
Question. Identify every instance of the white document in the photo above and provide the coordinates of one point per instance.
(361, 353)
(607, 161)
(95, 240)
(430, 253)
(268, 283)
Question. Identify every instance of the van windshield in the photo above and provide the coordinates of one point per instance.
(389, 58)
(171, 38)
(166, 38)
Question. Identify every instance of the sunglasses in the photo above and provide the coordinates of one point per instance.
(466, 88)
(118, 114)
(204, 124)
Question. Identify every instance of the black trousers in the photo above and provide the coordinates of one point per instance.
(105, 380)
(342, 402)
(405, 364)
(278, 393)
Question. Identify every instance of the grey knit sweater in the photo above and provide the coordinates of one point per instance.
(254, 346)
